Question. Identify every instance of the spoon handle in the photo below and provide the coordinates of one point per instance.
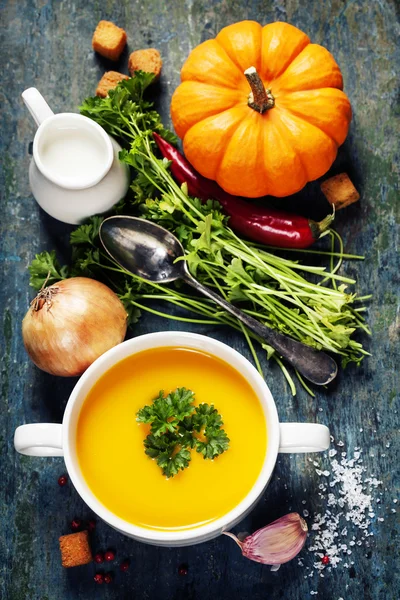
(316, 366)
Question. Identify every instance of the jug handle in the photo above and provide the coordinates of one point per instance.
(37, 105)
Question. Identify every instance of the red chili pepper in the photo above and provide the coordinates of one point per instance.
(260, 224)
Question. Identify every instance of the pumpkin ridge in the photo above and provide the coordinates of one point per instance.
(234, 63)
(233, 59)
(222, 155)
(243, 167)
(281, 184)
(311, 89)
(299, 109)
(292, 113)
(217, 114)
(324, 58)
(204, 48)
(214, 85)
(282, 128)
(290, 137)
(193, 158)
(295, 54)
(195, 100)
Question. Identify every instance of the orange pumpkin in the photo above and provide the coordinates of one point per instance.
(283, 134)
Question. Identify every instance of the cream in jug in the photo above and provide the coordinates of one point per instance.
(75, 171)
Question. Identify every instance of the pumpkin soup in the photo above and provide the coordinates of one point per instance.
(130, 484)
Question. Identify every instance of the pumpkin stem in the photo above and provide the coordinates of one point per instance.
(260, 99)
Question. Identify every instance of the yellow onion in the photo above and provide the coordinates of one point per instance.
(71, 323)
(277, 543)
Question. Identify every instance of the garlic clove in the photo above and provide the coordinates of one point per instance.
(277, 543)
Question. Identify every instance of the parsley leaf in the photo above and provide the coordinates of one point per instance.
(206, 416)
(166, 412)
(45, 267)
(174, 424)
(182, 401)
(208, 422)
(173, 463)
(216, 442)
(170, 456)
(87, 233)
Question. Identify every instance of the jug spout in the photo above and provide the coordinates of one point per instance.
(37, 105)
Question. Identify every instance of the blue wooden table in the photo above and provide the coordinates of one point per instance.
(48, 45)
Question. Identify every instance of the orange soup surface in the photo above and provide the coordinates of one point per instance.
(129, 483)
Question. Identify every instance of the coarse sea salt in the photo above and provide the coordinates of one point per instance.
(348, 497)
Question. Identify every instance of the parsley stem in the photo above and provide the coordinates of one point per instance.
(252, 349)
(173, 317)
(308, 251)
(286, 374)
(241, 325)
(303, 383)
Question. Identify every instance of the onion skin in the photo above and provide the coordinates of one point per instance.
(82, 320)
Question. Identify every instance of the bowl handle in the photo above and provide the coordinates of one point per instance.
(303, 437)
(39, 439)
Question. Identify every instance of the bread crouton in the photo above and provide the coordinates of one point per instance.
(109, 40)
(340, 191)
(75, 549)
(108, 82)
(148, 60)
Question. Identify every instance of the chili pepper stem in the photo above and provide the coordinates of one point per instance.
(318, 227)
(260, 99)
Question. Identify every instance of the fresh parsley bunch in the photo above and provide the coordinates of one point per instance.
(177, 426)
(309, 303)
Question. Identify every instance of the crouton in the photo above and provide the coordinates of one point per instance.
(108, 82)
(109, 40)
(340, 191)
(148, 60)
(75, 549)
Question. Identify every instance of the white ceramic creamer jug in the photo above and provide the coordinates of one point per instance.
(75, 172)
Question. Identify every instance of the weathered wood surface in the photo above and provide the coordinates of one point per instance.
(48, 44)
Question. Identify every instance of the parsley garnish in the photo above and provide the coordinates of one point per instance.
(176, 426)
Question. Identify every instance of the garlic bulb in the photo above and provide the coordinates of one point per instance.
(277, 543)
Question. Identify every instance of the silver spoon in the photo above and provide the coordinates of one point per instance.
(150, 251)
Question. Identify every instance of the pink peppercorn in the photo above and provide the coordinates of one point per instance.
(91, 525)
(109, 555)
(124, 566)
(76, 524)
(99, 558)
(99, 578)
